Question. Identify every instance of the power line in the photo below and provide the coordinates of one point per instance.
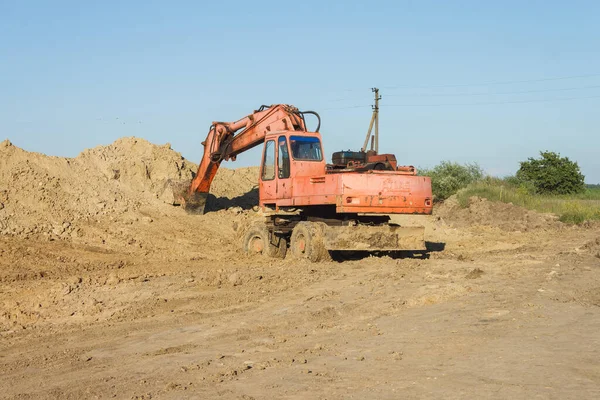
(558, 78)
(470, 104)
(492, 93)
(491, 102)
(475, 94)
(344, 99)
(493, 82)
(345, 108)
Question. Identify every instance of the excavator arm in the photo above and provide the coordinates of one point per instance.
(225, 141)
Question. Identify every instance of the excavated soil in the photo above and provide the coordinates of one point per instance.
(109, 291)
(61, 198)
(504, 216)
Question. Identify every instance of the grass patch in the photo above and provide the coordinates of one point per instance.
(574, 209)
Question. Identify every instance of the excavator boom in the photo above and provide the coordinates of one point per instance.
(225, 142)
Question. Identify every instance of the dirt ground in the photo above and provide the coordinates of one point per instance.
(107, 291)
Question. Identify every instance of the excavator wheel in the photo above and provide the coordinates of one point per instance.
(258, 241)
(307, 241)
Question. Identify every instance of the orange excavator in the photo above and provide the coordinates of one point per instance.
(311, 206)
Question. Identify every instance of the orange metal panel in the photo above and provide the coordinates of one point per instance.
(367, 192)
(383, 192)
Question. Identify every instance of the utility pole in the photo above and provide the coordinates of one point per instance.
(374, 121)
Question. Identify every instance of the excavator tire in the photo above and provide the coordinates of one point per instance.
(258, 241)
(307, 241)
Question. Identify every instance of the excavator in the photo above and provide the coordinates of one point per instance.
(312, 207)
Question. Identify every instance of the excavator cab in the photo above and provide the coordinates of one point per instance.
(288, 155)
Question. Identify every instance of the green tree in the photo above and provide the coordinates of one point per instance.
(552, 174)
(448, 177)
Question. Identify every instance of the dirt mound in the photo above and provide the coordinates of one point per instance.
(481, 212)
(54, 196)
(593, 246)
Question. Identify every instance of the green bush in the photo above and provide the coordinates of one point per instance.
(448, 177)
(524, 187)
(551, 174)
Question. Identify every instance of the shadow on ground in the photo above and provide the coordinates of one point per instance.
(245, 201)
(432, 247)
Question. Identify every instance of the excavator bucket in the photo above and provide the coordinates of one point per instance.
(195, 203)
(177, 194)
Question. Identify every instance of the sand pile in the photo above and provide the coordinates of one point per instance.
(48, 195)
(481, 212)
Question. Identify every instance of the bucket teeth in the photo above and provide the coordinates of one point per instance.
(195, 203)
(177, 194)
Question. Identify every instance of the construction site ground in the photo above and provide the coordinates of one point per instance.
(109, 291)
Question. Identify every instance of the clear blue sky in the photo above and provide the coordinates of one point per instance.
(78, 74)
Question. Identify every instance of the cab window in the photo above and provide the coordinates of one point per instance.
(283, 170)
(268, 172)
(306, 148)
